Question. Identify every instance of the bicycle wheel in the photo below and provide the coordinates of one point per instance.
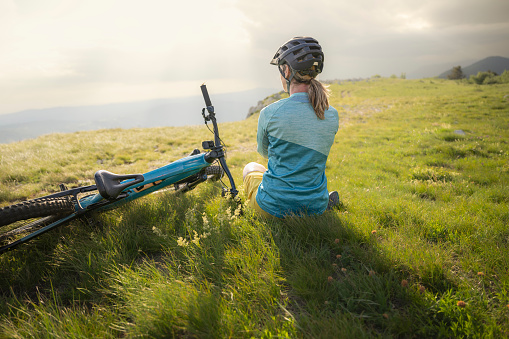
(25, 218)
(36, 208)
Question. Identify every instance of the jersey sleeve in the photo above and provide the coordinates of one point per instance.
(262, 137)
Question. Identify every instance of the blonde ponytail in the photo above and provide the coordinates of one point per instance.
(318, 93)
(318, 97)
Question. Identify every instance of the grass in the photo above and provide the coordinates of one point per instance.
(418, 249)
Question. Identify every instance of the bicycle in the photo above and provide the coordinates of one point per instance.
(22, 222)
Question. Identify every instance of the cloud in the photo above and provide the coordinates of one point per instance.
(131, 27)
(99, 49)
(466, 12)
(366, 37)
(120, 44)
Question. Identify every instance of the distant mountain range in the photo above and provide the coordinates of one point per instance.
(495, 64)
(151, 113)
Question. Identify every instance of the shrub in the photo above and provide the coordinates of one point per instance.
(456, 73)
(485, 78)
(504, 78)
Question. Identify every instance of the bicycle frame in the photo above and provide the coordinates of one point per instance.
(154, 180)
(141, 185)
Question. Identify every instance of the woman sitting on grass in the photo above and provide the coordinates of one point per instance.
(296, 135)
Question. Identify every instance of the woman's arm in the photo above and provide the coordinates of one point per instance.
(262, 137)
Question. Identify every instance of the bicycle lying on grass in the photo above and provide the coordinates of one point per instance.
(24, 221)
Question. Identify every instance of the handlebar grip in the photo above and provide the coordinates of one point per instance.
(206, 95)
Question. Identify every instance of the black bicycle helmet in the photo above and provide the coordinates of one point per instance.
(304, 56)
(301, 54)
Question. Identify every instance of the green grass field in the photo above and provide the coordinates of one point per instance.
(419, 247)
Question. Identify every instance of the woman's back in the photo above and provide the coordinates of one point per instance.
(297, 144)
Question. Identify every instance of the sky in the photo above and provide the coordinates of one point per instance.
(74, 52)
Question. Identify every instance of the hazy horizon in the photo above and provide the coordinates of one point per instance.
(74, 53)
(183, 111)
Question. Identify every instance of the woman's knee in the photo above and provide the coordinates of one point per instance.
(253, 167)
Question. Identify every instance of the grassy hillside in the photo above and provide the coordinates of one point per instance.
(418, 249)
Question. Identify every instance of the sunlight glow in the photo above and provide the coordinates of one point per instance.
(409, 22)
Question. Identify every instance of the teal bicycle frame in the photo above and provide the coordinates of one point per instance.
(153, 181)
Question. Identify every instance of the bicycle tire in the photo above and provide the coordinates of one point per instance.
(36, 208)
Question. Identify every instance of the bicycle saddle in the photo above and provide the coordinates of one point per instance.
(109, 184)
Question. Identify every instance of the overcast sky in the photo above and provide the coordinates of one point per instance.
(83, 52)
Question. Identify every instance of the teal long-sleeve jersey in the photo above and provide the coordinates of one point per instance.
(297, 144)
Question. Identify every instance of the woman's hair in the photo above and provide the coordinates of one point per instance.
(318, 93)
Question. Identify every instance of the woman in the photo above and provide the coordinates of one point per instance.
(296, 135)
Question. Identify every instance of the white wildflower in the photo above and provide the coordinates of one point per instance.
(158, 232)
(182, 242)
(205, 220)
(196, 239)
(238, 210)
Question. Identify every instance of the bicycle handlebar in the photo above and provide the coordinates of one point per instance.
(217, 139)
(206, 96)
